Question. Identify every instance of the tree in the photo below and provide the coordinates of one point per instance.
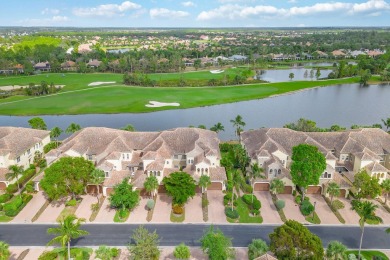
(182, 252)
(97, 177)
(366, 185)
(318, 73)
(218, 127)
(365, 77)
(277, 186)
(73, 128)
(386, 188)
(307, 166)
(55, 133)
(257, 248)
(180, 186)
(37, 123)
(204, 182)
(255, 172)
(216, 245)
(4, 251)
(336, 251)
(333, 190)
(69, 228)
(151, 185)
(14, 173)
(366, 211)
(386, 123)
(306, 74)
(105, 253)
(123, 197)
(291, 76)
(129, 128)
(238, 124)
(303, 125)
(292, 240)
(67, 176)
(144, 245)
(311, 74)
(202, 127)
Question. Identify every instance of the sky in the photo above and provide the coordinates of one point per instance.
(195, 13)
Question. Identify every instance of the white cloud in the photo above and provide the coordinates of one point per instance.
(108, 10)
(45, 21)
(188, 4)
(58, 18)
(50, 11)
(166, 13)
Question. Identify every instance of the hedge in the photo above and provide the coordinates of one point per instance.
(306, 208)
(231, 213)
(256, 204)
(5, 197)
(13, 208)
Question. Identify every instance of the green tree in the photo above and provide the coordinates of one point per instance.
(386, 188)
(318, 73)
(13, 174)
(182, 252)
(366, 211)
(68, 229)
(37, 123)
(257, 248)
(55, 133)
(104, 253)
(255, 172)
(67, 176)
(180, 186)
(311, 74)
(236, 180)
(292, 240)
(4, 251)
(151, 185)
(218, 127)
(204, 182)
(306, 74)
(123, 197)
(276, 186)
(336, 251)
(303, 125)
(97, 177)
(129, 128)
(333, 190)
(202, 127)
(386, 123)
(307, 166)
(366, 185)
(73, 128)
(216, 245)
(291, 76)
(238, 124)
(145, 245)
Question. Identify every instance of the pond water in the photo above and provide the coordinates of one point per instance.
(344, 105)
(116, 51)
(283, 75)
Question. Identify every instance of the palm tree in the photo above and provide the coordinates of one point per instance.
(336, 250)
(277, 186)
(386, 123)
(204, 182)
(4, 251)
(73, 128)
(55, 133)
(386, 188)
(129, 128)
(69, 228)
(218, 127)
(333, 190)
(97, 177)
(236, 182)
(14, 173)
(151, 185)
(238, 124)
(255, 172)
(366, 211)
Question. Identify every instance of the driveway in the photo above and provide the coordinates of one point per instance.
(216, 209)
(162, 209)
(350, 216)
(268, 210)
(84, 209)
(322, 209)
(382, 212)
(29, 211)
(139, 214)
(51, 213)
(106, 214)
(194, 213)
(291, 210)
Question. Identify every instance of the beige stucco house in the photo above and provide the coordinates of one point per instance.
(137, 155)
(18, 146)
(346, 154)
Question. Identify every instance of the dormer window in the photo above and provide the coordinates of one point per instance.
(106, 174)
(89, 157)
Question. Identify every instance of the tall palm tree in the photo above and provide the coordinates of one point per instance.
(238, 124)
(386, 188)
(96, 178)
(333, 190)
(4, 251)
(386, 123)
(204, 182)
(255, 172)
(68, 229)
(336, 250)
(55, 133)
(73, 128)
(366, 211)
(151, 185)
(277, 186)
(14, 173)
(236, 182)
(218, 127)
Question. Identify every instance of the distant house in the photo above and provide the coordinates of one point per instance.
(42, 66)
(321, 54)
(374, 53)
(69, 66)
(238, 58)
(354, 54)
(338, 54)
(94, 63)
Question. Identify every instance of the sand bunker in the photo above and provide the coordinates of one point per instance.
(216, 71)
(98, 83)
(161, 104)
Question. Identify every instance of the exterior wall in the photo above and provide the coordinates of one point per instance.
(72, 153)
(117, 164)
(379, 175)
(213, 161)
(364, 164)
(357, 164)
(4, 162)
(260, 161)
(168, 163)
(275, 170)
(158, 174)
(331, 163)
(282, 156)
(202, 168)
(147, 162)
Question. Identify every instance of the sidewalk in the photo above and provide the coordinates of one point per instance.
(29, 211)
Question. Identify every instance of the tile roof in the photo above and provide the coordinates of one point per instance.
(218, 174)
(3, 172)
(116, 178)
(376, 167)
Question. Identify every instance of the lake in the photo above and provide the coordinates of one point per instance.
(283, 75)
(344, 105)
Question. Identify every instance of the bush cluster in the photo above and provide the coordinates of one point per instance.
(231, 213)
(49, 147)
(5, 197)
(11, 209)
(150, 204)
(228, 198)
(177, 209)
(337, 204)
(306, 208)
(71, 203)
(280, 204)
(48, 255)
(256, 204)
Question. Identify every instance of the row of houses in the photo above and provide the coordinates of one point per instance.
(137, 155)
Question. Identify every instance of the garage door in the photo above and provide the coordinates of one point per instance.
(215, 186)
(287, 190)
(2, 186)
(343, 192)
(91, 189)
(261, 186)
(314, 190)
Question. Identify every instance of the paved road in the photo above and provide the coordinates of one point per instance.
(174, 234)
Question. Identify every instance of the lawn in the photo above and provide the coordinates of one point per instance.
(243, 211)
(369, 254)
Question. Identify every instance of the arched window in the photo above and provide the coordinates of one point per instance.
(279, 171)
(207, 170)
(158, 173)
(198, 169)
(270, 171)
(382, 175)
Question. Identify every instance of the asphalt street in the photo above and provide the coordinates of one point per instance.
(174, 234)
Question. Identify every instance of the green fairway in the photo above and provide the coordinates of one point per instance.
(77, 98)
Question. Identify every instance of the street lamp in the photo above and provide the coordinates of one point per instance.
(314, 210)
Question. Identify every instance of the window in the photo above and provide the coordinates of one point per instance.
(167, 162)
(270, 171)
(279, 171)
(158, 173)
(128, 156)
(175, 156)
(106, 174)
(18, 159)
(123, 156)
(28, 151)
(382, 175)
(189, 161)
(89, 157)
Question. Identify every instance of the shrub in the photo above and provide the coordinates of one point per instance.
(306, 208)
(228, 198)
(30, 187)
(71, 203)
(49, 147)
(123, 213)
(256, 204)
(352, 257)
(27, 175)
(280, 204)
(1, 207)
(150, 204)
(255, 212)
(298, 199)
(5, 197)
(231, 213)
(12, 188)
(182, 252)
(11, 208)
(224, 147)
(257, 248)
(247, 188)
(205, 202)
(48, 255)
(294, 193)
(177, 209)
(114, 252)
(95, 207)
(247, 198)
(337, 204)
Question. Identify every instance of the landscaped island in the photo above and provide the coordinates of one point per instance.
(77, 97)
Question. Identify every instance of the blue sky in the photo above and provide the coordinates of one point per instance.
(201, 13)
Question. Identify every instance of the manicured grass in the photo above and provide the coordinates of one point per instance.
(178, 218)
(314, 220)
(4, 218)
(118, 219)
(67, 211)
(243, 211)
(368, 254)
